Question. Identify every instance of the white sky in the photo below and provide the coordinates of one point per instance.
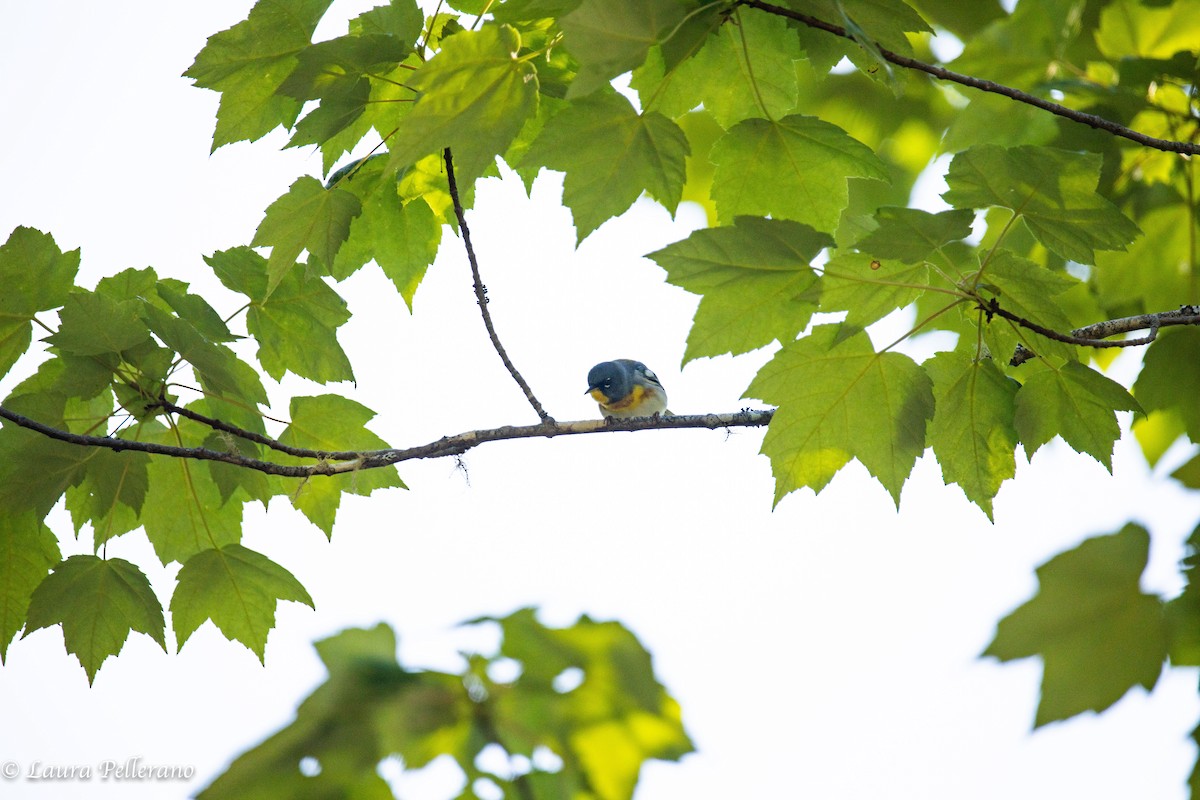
(826, 649)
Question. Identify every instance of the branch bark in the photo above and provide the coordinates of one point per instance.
(342, 463)
(941, 73)
(1090, 335)
(481, 292)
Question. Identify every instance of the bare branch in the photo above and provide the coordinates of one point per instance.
(341, 463)
(481, 292)
(1091, 120)
(1091, 335)
(197, 453)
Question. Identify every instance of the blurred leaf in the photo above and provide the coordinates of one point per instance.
(1097, 633)
(1130, 28)
(335, 732)
(1183, 612)
(371, 708)
(1157, 272)
(1170, 377)
(795, 168)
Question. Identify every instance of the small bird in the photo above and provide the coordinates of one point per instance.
(626, 388)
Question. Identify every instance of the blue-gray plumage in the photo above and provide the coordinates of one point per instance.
(626, 388)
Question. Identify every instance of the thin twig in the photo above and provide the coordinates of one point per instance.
(1091, 335)
(942, 73)
(251, 436)
(341, 463)
(481, 291)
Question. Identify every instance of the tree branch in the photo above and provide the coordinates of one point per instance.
(341, 463)
(250, 436)
(481, 292)
(1090, 335)
(944, 74)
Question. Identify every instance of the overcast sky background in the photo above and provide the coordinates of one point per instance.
(825, 649)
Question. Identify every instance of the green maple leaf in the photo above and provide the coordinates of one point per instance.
(1097, 633)
(972, 432)
(334, 67)
(111, 494)
(91, 324)
(220, 371)
(745, 70)
(238, 589)
(195, 309)
(1156, 269)
(333, 423)
(295, 323)
(309, 217)
(869, 289)
(28, 550)
(1076, 403)
(59, 465)
(610, 155)
(610, 37)
(838, 402)
(473, 97)
(911, 235)
(753, 278)
(37, 276)
(1170, 377)
(796, 168)
(401, 237)
(401, 19)
(184, 511)
(250, 61)
(1054, 192)
(98, 602)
